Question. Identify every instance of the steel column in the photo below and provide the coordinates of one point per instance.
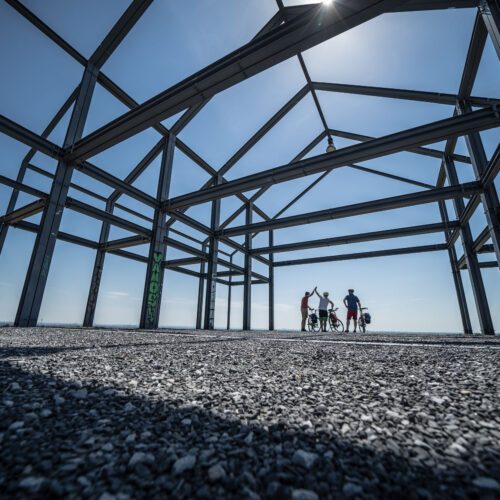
(212, 266)
(151, 301)
(38, 270)
(489, 196)
(457, 277)
(490, 10)
(229, 293)
(271, 283)
(201, 285)
(483, 311)
(247, 276)
(95, 282)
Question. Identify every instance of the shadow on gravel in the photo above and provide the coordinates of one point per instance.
(34, 351)
(59, 440)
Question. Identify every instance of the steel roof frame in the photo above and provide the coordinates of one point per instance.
(289, 32)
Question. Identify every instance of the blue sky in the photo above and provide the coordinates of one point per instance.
(422, 50)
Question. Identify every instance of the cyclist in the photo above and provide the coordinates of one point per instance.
(304, 308)
(323, 308)
(351, 302)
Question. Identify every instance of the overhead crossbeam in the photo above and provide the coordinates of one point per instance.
(393, 143)
(362, 255)
(407, 200)
(357, 238)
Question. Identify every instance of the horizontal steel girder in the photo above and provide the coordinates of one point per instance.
(24, 212)
(121, 243)
(380, 205)
(298, 34)
(358, 238)
(458, 125)
(434, 153)
(410, 95)
(362, 255)
(35, 141)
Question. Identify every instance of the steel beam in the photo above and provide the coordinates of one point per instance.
(115, 182)
(362, 255)
(489, 196)
(213, 250)
(19, 186)
(433, 153)
(300, 33)
(229, 293)
(61, 235)
(95, 281)
(271, 283)
(201, 287)
(410, 95)
(130, 241)
(455, 270)
(247, 276)
(96, 213)
(25, 162)
(358, 238)
(38, 269)
(24, 212)
(151, 302)
(393, 143)
(406, 200)
(35, 141)
(480, 298)
(490, 11)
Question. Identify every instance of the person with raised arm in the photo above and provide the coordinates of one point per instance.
(304, 308)
(323, 308)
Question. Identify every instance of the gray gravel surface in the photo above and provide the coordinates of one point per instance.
(124, 414)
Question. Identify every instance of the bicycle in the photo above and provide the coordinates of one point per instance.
(312, 321)
(363, 319)
(334, 321)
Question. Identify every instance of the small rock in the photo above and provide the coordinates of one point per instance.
(58, 400)
(186, 421)
(107, 447)
(216, 473)
(45, 413)
(31, 483)
(304, 459)
(80, 394)
(391, 414)
(351, 489)
(16, 425)
(304, 495)
(486, 483)
(183, 464)
(129, 407)
(15, 386)
(130, 438)
(140, 458)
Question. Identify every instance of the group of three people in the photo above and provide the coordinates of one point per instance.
(350, 301)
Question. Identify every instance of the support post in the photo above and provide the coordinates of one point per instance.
(201, 285)
(271, 283)
(95, 282)
(457, 277)
(490, 11)
(229, 292)
(153, 286)
(212, 265)
(247, 277)
(483, 311)
(489, 197)
(43, 249)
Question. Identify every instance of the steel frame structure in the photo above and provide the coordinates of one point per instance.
(289, 32)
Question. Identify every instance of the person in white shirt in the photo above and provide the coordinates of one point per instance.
(323, 309)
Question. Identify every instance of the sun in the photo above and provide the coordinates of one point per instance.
(327, 2)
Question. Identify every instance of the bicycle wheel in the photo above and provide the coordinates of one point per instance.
(362, 328)
(313, 327)
(339, 326)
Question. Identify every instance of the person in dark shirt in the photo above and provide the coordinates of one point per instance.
(351, 302)
(304, 308)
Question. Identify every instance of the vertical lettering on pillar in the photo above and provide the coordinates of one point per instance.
(154, 288)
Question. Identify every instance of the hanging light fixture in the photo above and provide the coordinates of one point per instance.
(331, 147)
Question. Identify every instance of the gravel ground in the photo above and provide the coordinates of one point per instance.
(125, 414)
